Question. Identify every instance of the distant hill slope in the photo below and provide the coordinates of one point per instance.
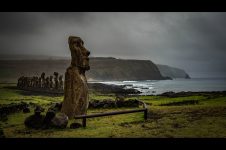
(172, 72)
(101, 69)
(121, 69)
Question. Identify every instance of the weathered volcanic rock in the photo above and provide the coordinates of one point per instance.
(75, 125)
(12, 108)
(48, 118)
(117, 89)
(113, 103)
(34, 121)
(26, 110)
(60, 121)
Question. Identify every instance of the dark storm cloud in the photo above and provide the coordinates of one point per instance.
(192, 41)
(19, 23)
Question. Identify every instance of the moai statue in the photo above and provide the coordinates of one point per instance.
(19, 82)
(47, 83)
(76, 98)
(25, 82)
(43, 80)
(39, 82)
(51, 82)
(33, 82)
(56, 80)
(29, 81)
(36, 82)
(61, 82)
(22, 82)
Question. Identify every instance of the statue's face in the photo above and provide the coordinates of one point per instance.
(82, 53)
(85, 57)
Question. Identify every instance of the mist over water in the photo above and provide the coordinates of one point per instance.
(153, 87)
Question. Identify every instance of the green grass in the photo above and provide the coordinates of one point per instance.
(205, 119)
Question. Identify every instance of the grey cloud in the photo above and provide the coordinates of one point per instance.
(190, 40)
(19, 23)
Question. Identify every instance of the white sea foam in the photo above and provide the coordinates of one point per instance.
(129, 81)
(176, 85)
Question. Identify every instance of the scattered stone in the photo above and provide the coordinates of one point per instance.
(39, 109)
(112, 104)
(48, 118)
(75, 125)
(34, 121)
(6, 109)
(60, 120)
(131, 103)
(105, 106)
(26, 110)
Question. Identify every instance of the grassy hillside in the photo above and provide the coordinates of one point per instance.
(206, 118)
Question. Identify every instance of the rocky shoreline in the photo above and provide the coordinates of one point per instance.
(184, 94)
(106, 88)
(93, 87)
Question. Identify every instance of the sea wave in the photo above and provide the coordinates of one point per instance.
(130, 81)
(177, 85)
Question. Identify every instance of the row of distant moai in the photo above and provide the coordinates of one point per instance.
(41, 83)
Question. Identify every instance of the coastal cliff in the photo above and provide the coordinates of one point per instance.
(102, 68)
(122, 69)
(172, 72)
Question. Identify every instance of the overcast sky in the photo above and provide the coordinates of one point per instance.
(194, 42)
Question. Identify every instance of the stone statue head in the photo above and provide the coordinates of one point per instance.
(43, 75)
(61, 77)
(79, 54)
(56, 74)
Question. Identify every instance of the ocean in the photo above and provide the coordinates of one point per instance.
(153, 87)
